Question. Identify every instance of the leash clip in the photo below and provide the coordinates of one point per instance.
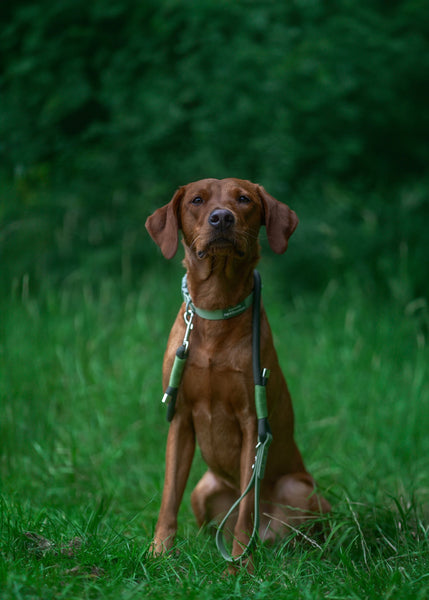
(188, 317)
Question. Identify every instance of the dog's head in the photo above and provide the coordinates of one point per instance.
(221, 216)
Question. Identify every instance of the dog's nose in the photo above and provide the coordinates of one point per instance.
(221, 219)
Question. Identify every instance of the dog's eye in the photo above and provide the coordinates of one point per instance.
(197, 200)
(244, 200)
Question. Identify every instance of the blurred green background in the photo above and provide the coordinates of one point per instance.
(106, 107)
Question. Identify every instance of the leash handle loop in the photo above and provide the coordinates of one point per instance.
(255, 481)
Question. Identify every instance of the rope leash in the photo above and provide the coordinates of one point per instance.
(260, 380)
(255, 481)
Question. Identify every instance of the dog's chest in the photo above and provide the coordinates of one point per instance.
(220, 396)
(220, 403)
(217, 384)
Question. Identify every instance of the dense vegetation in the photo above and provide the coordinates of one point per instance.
(107, 106)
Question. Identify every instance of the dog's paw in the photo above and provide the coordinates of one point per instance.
(160, 546)
(246, 566)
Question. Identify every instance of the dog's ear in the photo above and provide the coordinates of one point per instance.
(164, 224)
(280, 221)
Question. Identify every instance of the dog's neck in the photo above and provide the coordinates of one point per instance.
(219, 282)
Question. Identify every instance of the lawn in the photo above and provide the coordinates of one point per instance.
(82, 437)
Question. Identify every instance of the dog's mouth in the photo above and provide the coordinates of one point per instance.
(221, 245)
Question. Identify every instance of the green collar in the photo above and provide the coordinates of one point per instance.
(215, 315)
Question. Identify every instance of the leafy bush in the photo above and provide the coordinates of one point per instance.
(106, 107)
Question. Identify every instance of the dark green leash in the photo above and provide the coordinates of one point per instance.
(260, 378)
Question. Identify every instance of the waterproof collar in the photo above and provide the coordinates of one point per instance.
(215, 315)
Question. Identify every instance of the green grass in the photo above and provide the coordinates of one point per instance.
(82, 437)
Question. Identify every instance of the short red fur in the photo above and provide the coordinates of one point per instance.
(220, 222)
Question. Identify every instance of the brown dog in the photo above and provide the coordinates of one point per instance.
(220, 221)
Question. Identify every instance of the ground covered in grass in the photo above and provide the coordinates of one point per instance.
(82, 436)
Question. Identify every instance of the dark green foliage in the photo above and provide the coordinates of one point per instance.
(107, 106)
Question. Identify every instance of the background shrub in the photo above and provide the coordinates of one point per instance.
(107, 106)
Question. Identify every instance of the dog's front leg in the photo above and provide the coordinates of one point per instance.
(179, 455)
